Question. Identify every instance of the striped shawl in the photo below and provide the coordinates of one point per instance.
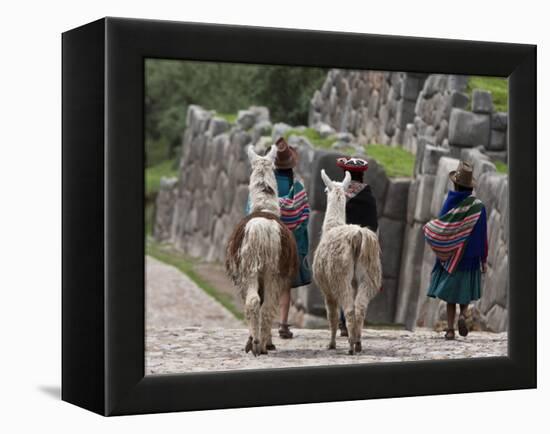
(449, 234)
(294, 206)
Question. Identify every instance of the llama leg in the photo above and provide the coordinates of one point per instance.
(332, 317)
(252, 312)
(268, 311)
(349, 312)
(361, 303)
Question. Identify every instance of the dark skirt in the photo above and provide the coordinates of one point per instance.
(303, 277)
(460, 287)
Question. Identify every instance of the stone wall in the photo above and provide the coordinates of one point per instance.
(197, 211)
(408, 109)
(374, 106)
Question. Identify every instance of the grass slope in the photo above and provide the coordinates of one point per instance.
(397, 162)
(496, 85)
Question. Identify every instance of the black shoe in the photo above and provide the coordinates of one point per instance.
(284, 331)
(462, 327)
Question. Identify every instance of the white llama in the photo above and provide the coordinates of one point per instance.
(346, 265)
(261, 256)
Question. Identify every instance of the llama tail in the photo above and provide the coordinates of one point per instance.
(367, 253)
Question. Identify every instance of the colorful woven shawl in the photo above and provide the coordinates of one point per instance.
(449, 234)
(294, 206)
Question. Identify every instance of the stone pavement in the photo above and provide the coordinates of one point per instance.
(174, 301)
(195, 349)
(188, 331)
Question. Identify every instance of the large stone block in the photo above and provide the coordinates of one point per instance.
(488, 188)
(497, 319)
(423, 203)
(502, 281)
(410, 88)
(381, 309)
(165, 208)
(482, 101)
(390, 234)
(459, 100)
(395, 205)
(322, 160)
(434, 83)
(218, 126)
(279, 130)
(457, 82)
(246, 119)
(261, 128)
(442, 183)
(498, 140)
(411, 200)
(499, 121)
(315, 226)
(468, 129)
(260, 113)
(404, 113)
(431, 156)
(428, 308)
(311, 299)
(409, 277)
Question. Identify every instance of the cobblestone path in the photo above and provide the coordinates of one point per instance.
(188, 331)
(174, 301)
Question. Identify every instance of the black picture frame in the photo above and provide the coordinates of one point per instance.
(103, 220)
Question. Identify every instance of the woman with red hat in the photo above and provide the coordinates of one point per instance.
(295, 211)
(360, 206)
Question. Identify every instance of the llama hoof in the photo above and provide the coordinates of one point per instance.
(351, 351)
(331, 346)
(248, 345)
(270, 347)
(256, 350)
(358, 347)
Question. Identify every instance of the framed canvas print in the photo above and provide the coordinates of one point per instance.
(257, 216)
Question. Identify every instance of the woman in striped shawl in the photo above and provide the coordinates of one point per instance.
(458, 237)
(294, 206)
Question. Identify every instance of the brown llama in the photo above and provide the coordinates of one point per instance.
(261, 256)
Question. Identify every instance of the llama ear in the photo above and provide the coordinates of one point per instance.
(272, 154)
(326, 179)
(252, 156)
(346, 181)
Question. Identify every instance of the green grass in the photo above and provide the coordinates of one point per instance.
(153, 175)
(229, 117)
(186, 265)
(496, 85)
(313, 136)
(397, 162)
(501, 167)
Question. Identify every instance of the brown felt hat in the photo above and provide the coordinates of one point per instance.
(287, 157)
(463, 175)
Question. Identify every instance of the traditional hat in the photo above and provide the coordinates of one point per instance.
(352, 164)
(287, 157)
(463, 175)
